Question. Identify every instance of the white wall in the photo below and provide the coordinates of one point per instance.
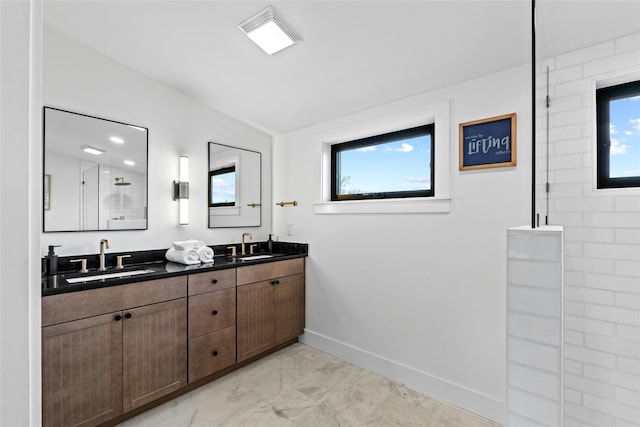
(65, 187)
(417, 297)
(79, 79)
(20, 213)
(602, 233)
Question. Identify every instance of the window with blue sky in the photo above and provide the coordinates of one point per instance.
(618, 122)
(222, 187)
(624, 131)
(396, 164)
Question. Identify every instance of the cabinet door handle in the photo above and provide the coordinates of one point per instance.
(117, 318)
(215, 353)
(214, 281)
(275, 282)
(214, 312)
(127, 316)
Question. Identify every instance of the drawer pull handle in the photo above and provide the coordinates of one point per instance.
(275, 282)
(214, 312)
(215, 353)
(127, 316)
(214, 281)
(117, 318)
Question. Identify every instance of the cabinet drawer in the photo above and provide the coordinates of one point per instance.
(271, 270)
(211, 312)
(211, 353)
(212, 281)
(93, 302)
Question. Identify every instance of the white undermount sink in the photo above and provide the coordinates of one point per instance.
(108, 276)
(254, 257)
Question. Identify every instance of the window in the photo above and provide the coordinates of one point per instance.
(618, 135)
(222, 187)
(393, 165)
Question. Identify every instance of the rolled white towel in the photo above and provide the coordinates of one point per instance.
(188, 244)
(205, 253)
(173, 267)
(188, 257)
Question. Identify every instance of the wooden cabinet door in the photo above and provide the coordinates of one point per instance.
(288, 309)
(255, 327)
(154, 351)
(82, 371)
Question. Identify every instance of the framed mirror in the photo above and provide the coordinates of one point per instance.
(234, 187)
(95, 173)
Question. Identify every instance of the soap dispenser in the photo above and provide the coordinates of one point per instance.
(52, 260)
(270, 244)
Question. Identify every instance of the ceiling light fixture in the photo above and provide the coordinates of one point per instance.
(269, 31)
(129, 163)
(116, 139)
(92, 150)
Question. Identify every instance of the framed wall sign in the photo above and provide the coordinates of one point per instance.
(488, 143)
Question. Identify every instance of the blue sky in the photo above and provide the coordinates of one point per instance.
(223, 188)
(625, 137)
(393, 166)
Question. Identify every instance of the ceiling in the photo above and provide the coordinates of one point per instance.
(355, 54)
(67, 133)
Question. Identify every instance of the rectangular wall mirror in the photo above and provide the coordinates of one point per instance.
(234, 187)
(95, 173)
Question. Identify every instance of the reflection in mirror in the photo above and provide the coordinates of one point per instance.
(95, 173)
(234, 187)
(222, 183)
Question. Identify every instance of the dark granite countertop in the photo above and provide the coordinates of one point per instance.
(156, 267)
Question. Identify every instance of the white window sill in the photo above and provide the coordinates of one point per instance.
(413, 205)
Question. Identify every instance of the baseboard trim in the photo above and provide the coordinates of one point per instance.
(470, 400)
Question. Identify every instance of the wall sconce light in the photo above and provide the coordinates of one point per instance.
(268, 30)
(181, 190)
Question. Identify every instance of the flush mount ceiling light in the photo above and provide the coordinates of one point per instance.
(116, 139)
(92, 150)
(269, 31)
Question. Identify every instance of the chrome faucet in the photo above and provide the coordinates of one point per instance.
(243, 236)
(104, 244)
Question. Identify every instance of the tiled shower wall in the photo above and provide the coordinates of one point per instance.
(602, 238)
(128, 201)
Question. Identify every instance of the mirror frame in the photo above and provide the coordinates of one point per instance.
(47, 183)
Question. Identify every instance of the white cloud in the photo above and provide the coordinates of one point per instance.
(406, 148)
(612, 129)
(222, 187)
(635, 123)
(218, 183)
(416, 179)
(628, 133)
(367, 149)
(617, 147)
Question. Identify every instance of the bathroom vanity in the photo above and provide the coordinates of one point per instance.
(116, 347)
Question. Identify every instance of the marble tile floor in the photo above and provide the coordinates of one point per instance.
(302, 386)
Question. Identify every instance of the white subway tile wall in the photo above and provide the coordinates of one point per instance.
(534, 327)
(602, 239)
